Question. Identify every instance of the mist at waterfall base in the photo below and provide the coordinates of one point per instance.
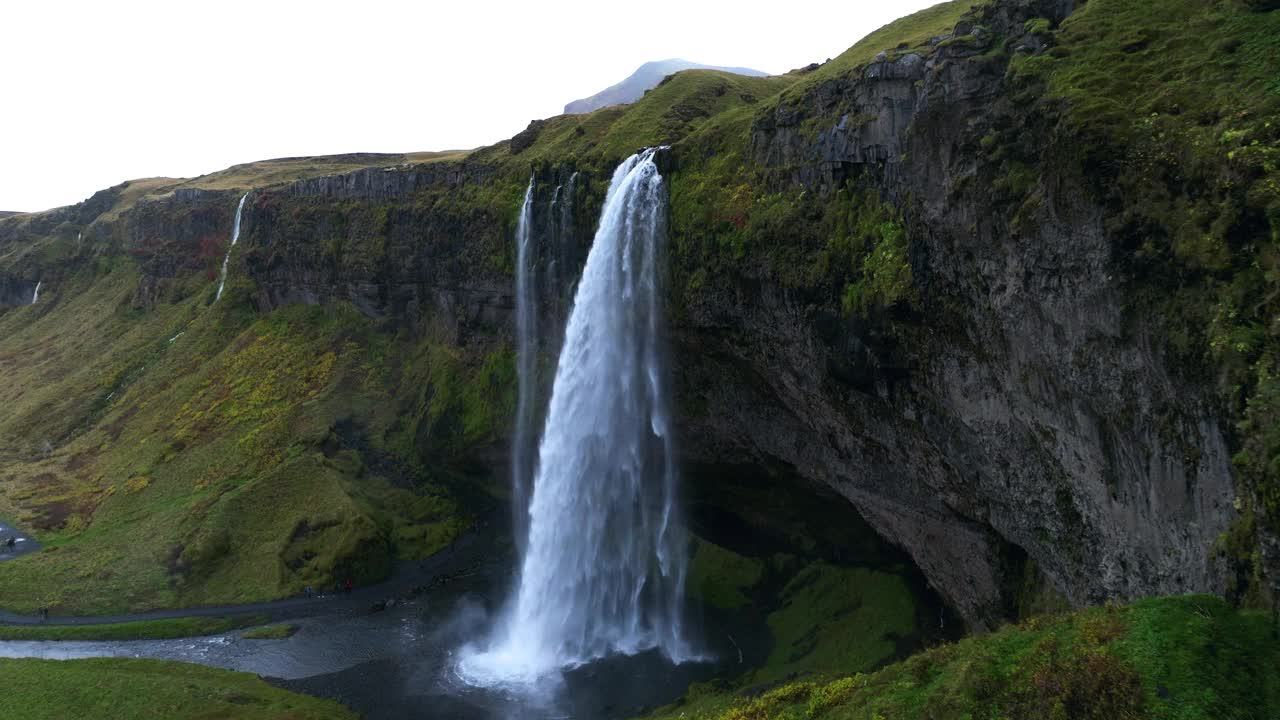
(604, 564)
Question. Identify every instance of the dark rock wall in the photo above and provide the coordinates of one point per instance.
(1020, 413)
(1045, 419)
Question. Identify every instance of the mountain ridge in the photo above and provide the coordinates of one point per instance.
(645, 78)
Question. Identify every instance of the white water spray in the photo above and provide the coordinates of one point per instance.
(604, 569)
(35, 296)
(522, 445)
(235, 235)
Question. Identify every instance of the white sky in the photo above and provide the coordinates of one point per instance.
(95, 93)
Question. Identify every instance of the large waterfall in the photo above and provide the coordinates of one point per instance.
(235, 235)
(604, 567)
(522, 444)
(35, 294)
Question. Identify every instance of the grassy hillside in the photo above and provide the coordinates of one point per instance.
(680, 105)
(141, 689)
(1185, 657)
(198, 454)
(193, 452)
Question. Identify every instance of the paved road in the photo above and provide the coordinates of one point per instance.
(23, 542)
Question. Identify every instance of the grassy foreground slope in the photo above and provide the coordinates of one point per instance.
(1184, 658)
(142, 689)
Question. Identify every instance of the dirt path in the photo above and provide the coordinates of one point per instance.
(23, 544)
(407, 580)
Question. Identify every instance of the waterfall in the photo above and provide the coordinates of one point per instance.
(522, 445)
(35, 296)
(604, 567)
(235, 235)
(561, 242)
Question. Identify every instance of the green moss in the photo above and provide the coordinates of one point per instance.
(835, 619)
(723, 579)
(142, 689)
(1037, 26)
(886, 274)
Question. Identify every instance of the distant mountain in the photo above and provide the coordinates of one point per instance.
(646, 78)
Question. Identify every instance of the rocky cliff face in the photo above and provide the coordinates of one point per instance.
(1018, 424)
(1044, 419)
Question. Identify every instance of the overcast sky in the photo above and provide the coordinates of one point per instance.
(96, 93)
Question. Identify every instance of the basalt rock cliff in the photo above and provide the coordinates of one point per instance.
(899, 278)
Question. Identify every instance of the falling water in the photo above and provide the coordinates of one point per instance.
(604, 568)
(35, 296)
(235, 235)
(561, 244)
(522, 446)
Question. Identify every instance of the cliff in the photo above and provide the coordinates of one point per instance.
(941, 276)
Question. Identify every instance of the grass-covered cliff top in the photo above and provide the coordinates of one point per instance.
(666, 114)
(286, 170)
(907, 34)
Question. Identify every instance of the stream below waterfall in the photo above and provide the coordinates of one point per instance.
(400, 662)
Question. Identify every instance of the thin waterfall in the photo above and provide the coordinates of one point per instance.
(522, 446)
(235, 235)
(604, 569)
(561, 243)
(35, 296)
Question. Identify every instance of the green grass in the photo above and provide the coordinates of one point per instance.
(141, 689)
(271, 632)
(139, 630)
(910, 33)
(671, 111)
(823, 619)
(1181, 658)
(720, 578)
(833, 619)
(206, 469)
